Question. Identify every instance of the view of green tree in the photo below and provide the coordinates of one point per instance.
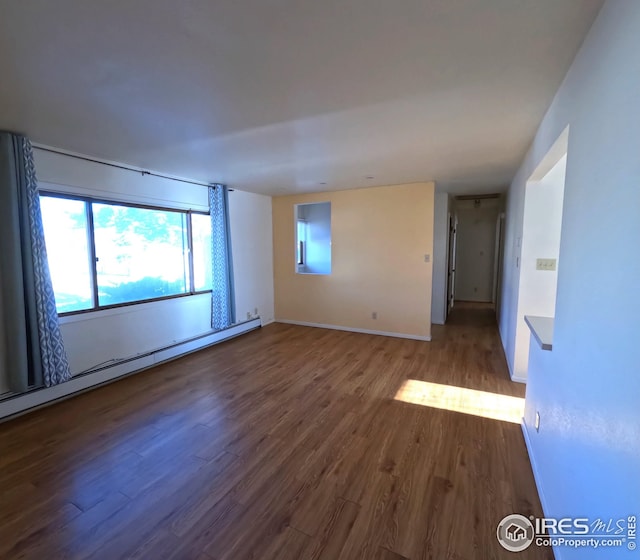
(141, 253)
(157, 226)
(147, 288)
(71, 302)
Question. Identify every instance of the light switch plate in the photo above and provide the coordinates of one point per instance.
(546, 264)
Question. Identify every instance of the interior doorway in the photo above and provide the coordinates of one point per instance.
(477, 248)
(451, 264)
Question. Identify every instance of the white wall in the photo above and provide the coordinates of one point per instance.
(586, 455)
(252, 249)
(102, 336)
(475, 249)
(542, 224)
(440, 249)
(71, 175)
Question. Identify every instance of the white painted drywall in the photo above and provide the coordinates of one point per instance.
(75, 176)
(475, 249)
(99, 337)
(94, 339)
(252, 248)
(440, 249)
(542, 226)
(586, 455)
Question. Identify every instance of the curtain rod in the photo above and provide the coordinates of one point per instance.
(119, 166)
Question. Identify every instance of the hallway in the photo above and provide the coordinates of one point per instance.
(289, 442)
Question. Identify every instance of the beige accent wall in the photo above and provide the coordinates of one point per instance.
(380, 236)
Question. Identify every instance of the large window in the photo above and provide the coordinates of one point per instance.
(103, 254)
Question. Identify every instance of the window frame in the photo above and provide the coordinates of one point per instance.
(302, 243)
(93, 268)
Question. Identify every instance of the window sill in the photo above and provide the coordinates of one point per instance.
(133, 307)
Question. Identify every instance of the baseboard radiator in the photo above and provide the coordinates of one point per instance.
(25, 402)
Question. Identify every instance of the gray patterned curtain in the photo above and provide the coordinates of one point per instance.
(35, 354)
(223, 313)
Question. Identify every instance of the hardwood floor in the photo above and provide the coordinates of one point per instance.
(286, 443)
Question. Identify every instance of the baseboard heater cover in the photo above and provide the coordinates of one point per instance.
(20, 404)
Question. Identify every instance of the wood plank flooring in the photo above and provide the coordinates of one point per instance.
(285, 443)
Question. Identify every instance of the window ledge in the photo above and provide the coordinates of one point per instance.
(125, 308)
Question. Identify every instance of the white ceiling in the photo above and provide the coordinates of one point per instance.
(279, 96)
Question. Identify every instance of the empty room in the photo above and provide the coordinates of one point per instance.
(296, 280)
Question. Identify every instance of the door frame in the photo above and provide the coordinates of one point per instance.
(451, 263)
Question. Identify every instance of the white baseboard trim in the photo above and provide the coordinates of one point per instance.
(40, 397)
(353, 329)
(557, 551)
(265, 323)
(515, 378)
(534, 467)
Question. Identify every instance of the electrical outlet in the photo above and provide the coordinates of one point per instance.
(248, 314)
(427, 258)
(545, 264)
(374, 315)
(537, 421)
(255, 311)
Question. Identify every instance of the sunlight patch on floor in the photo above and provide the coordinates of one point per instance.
(459, 399)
